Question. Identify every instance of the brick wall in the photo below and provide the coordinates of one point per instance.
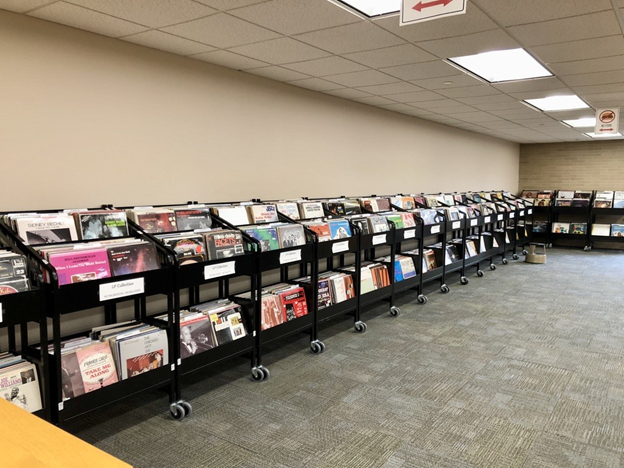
(594, 165)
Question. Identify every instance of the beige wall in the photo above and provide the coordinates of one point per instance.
(592, 165)
(86, 120)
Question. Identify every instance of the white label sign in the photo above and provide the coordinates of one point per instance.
(409, 234)
(488, 219)
(435, 229)
(607, 121)
(512, 215)
(499, 217)
(415, 11)
(380, 239)
(456, 224)
(221, 269)
(122, 289)
(340, 247)
(522, 213)
(531, 211)
(1, 318)
(291, 256)
(473, 222)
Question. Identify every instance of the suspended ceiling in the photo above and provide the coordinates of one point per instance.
(318, 45)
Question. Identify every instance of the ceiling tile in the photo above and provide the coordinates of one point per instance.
(500, 105)
(437, 104)
(570, 114)
(391, 88)
(595, 89)
(538, 84)
(516, 113)
(580, 50)
(590, 65)
(168, 43)
(374, 100)
(419, 96)
(605, 99)
(422, 71)
(21, 6)
(280, 51)
(569, 29)
(351, 38)
(347, 93)
(495, 98)
(316, 84)
(470, 44)
(279, 74)
(81, 18)
(152, 13)
(231, 60)
(419, 113)
(468, 91)
(472, 21)
(534, 11)
(542, 93)
(597, 78)
(225, 5)
(457, 81)
(222, 31)
(362, 78)
(458, 109)
(326, 66)
(391, 56)
(288, 17)
(478, 117)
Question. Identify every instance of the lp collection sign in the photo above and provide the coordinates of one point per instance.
(416, 11)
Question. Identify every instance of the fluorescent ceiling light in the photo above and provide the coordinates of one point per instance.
(372, 8)
(593, 135)
(557, 103)
(584, 122)
(502, 65)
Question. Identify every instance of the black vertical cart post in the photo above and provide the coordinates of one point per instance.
(62, 300)
(542, 221)
(509, 225)
(562, 215)
(412, 234)
(192, 278)
(524, 225)
(474, 231)
(437, 230)
(19, 309)
(283, 260)
(485, 224)
(456, 227)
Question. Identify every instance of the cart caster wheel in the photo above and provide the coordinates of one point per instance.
(422, 299)
(360, 327)
(480, 273)
(504, 261)
(515, 256)
(550, 246)
(464, 280)
(259, 374)
(317, 347)
(492, 267)
(444, 288)
(589, 248)
(395, 311)
(525, 252)
(177, 411)
(188, 409)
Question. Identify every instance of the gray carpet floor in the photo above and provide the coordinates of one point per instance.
(521, 368)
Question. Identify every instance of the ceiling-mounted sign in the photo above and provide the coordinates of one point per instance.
(415, 11)
(607, 121)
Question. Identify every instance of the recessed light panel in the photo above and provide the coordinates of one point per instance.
(613, 135)
(502, 65)
(372, 8)
(584, 122)
(557, 103)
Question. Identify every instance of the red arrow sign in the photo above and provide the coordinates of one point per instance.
(420, 5)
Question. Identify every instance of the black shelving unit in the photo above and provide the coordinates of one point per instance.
(571, 214)
(596, 216)
(17, 311)
(63, 300)
(543, 214)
